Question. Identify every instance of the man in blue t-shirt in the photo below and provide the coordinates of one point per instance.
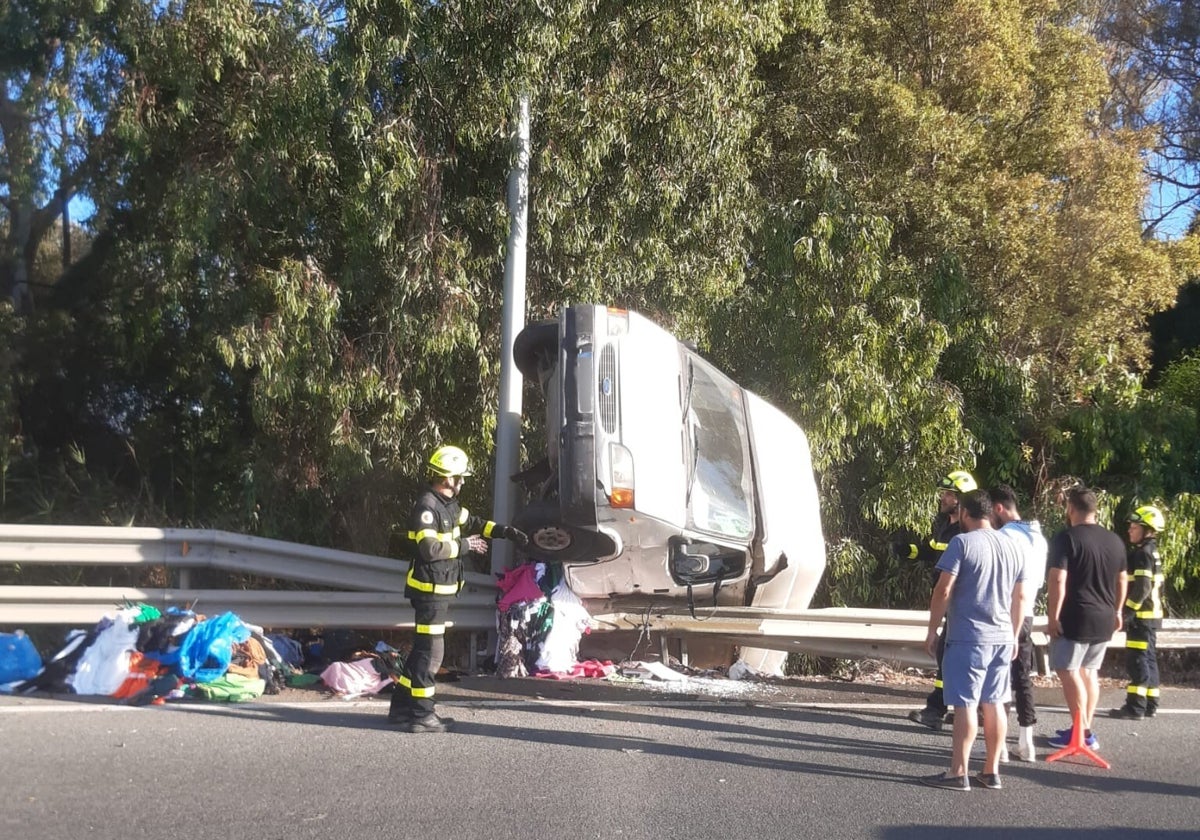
(980, 593)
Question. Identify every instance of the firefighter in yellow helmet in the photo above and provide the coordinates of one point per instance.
(441, 532)
(1142, 614)
(945, 528)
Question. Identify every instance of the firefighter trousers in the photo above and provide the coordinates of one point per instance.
(936, 701)
(414, 694)
(1141, 663)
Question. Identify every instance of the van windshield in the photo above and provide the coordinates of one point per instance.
(719, 485)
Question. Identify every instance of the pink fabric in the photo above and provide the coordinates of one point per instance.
(519, 584)
(351, 679)
(590, 668)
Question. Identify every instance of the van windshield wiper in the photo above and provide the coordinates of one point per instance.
(691, 438)
(687, 391)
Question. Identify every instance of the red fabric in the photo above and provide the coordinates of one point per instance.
(590, 668)
(519, 584)
(141, 672)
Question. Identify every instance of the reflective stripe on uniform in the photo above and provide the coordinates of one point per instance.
(463, 516)
(430, 534)
(1152, 692)
(432, 629)
(416, 691)
(487, 529)
(1132, 645)
(937, 683)
(1148, 614)
(1143, 573)
(937, 546)
(1139, 690)
(435, 588)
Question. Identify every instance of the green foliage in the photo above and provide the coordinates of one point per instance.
(827, 329)
(1179, 546)
(914, 228)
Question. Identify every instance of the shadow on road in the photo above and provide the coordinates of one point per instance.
(886, 740)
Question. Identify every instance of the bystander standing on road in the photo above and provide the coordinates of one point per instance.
(1028, 536)
(945, 528)
(980, 593)
(1085, 592)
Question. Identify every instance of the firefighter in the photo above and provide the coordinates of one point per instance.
(441, 532)
(1142, 615)
(945, 528)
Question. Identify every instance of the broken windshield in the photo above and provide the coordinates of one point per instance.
(719, 485)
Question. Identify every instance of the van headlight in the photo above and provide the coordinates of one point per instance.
(621, 476)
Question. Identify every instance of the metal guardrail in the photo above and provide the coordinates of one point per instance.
(365, 592)
(375, 602)
(837, 632)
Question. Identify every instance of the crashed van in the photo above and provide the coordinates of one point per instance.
(661, 478)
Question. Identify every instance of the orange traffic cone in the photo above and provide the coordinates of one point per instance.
(1077, 746)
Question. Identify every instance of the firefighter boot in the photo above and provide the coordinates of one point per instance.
(931, 718)
(428, 724)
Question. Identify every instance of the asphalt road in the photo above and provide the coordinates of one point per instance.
(539, 759)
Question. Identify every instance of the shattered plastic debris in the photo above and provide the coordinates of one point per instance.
(741, 671)
(705, 685)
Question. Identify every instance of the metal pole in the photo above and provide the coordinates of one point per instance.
(508, 416)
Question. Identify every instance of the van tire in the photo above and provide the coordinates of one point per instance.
(534, 343)
(552, 541)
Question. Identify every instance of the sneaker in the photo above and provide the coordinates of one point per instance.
(927, 717)
(991, 781)
(979, 750)
(1126, 713)
(430, 723)
(1025, 749)
(1063, 738)
(941, 780)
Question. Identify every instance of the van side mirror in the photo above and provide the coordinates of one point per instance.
(692, 563)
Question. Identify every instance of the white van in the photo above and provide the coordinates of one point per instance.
(663, 479)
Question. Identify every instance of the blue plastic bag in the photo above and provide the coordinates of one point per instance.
(19, 659)
(207, 649)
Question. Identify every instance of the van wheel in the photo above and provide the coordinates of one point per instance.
(534, 346)
(550, 540)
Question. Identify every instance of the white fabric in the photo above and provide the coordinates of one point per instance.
(105, 664)
(560, 649)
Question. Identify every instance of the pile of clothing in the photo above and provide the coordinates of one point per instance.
(539, 624)
(142, 655)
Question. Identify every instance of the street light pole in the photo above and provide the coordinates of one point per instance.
(508, 416)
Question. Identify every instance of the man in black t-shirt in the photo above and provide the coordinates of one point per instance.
(1086, 588)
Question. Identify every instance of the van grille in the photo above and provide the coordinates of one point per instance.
(607, 389)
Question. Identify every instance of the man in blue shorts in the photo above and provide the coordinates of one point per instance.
(980, 593)
(1085, 591)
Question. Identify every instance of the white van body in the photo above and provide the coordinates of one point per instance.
(662, 478)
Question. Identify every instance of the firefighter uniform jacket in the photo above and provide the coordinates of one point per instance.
(1143, 602)
(931, 550)
(438, 528)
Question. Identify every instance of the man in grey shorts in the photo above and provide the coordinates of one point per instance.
(980, 592)
(1085, 591)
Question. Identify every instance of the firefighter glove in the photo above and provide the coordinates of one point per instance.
(516, 535)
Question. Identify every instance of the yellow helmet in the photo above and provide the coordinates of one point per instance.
(448, 461)
(1150, 517)
(960, 481)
